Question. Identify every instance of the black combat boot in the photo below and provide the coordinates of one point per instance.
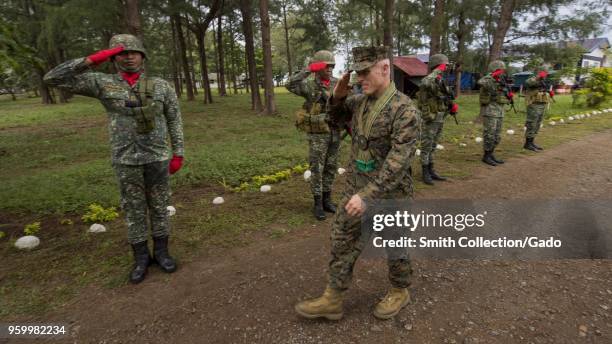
(161, 255)
(497, 161)
(142, 260)
(433, 173)
(427, 175)
(529, 144)
(317, 210)
(327, 203)
(536, 146)
(486, 158)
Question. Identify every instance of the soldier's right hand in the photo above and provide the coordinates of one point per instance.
(342, 86)
(103, 55)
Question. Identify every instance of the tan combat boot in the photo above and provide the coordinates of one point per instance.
(393, 302)
(328, 305)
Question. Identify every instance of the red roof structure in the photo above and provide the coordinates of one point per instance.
(410, 65)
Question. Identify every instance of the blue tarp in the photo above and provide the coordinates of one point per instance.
(468, 80)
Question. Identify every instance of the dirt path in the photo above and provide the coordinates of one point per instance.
(246, 295)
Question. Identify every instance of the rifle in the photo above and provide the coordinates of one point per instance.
(449, 93)
(506, 82)
(546, 87)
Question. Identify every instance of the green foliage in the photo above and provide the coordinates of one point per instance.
(97, 213)
(279, 176)
(66, 222)
(598, 87)
(32, 228)
(2, 234)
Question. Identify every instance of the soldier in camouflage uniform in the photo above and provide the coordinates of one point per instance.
(385, 125)
(537, 96)
(323, 140)
(493, 96)
(435, 103)
(143, 111)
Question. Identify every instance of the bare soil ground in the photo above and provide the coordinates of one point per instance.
(246, 294)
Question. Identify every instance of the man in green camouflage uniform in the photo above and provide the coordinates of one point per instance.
(537, 96)
(324, 139)
(435, 101)
(385, 125)
(143, 111)
(494, 95)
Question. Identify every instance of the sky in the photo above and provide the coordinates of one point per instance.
(566, 10)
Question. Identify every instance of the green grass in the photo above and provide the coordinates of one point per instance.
(55, 160)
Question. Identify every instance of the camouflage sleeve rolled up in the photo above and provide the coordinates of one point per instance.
(404, 136)
(174, 120)
(74, 76)
(299, 85)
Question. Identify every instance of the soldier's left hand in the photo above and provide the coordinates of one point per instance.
(175, 164)
(355, 206)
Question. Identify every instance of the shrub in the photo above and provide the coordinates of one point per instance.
(32, 228)
(97, 213)
(598, 87)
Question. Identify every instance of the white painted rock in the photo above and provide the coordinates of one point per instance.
(588, 115)
(97, 228)
(439, 146)
(171, 210)
(561, 121)
(570, 118)
(541, 125)
(218, 200)
(478, 139)
(552, 122)
(341, 171)
(307, 175)
(524, 128)
(462, 144)
(27, 242)
(417, 152)
(510, 132)
(265, 188)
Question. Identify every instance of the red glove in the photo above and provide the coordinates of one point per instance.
(551, 93)
(317, 66)
(103, 55)
(510, 95)
(454, 109)
(175, 164)
(497, 74)
(542, 75)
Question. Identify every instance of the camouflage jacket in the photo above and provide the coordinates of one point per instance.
(312, 90)
(492, 96)
(392, 143)
(129, 146)
(432, 97)
(536, 91)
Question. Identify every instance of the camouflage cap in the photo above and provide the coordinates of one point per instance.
(129, 42)
(437, 59)
(366, 57)
(495, 65)
(324, 56)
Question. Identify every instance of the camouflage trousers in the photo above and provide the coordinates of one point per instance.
(323, 159)
(347, 242)
(145, 191)
(535, 115)
(492, 127)
(429, 140)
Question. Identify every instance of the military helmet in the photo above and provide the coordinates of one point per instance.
(324, 56)
(495, 65)
(437, 60)
(129, 42)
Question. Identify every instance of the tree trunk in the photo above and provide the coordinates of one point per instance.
(377, 26)
(201, 41)
(221, 56)
(132, 18)
(388, 30)
(289, 67)
(267, 52)
(191, 63)
(175, 65)
(461, 36)
(505, 20)
(247, 27)
(183, 55)
(436, 28)
(232, 54)
(45, 93)
(398, 39)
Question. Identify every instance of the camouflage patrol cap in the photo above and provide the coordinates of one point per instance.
(324, 56)
(366, 57)
(129, 42)
(437, 59)
(495, 65)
